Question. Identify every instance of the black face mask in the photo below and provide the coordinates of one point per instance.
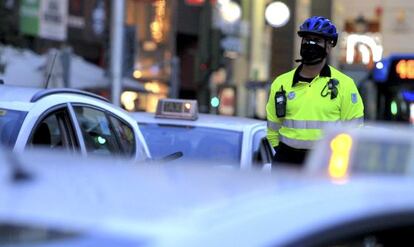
(312, 53)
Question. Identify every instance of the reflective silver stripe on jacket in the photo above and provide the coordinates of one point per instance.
(310, 124)
(300, 144)
(273, 125)
(355, 121)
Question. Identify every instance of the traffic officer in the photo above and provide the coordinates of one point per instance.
(311, 96)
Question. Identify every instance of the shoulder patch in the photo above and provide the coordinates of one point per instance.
(354, 98)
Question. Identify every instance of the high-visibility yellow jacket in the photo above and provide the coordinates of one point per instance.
(307, 111)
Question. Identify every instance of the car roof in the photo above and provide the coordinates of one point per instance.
(204, 120)
(30, 94)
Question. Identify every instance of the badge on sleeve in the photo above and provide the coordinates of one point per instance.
(354, 98)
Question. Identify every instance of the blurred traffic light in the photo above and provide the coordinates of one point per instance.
(394, 108)
(215, 102)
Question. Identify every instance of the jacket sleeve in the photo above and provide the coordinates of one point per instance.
(273, 122)
(352, 107)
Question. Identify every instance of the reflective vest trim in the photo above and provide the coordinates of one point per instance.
(299, 144)
(303, 124)
(273, 125)
(355, 121)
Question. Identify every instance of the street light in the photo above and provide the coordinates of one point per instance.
(230, 11)
(277, 14)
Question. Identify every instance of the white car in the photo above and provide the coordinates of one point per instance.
(46, 203)
(67, 119)
(177, 127)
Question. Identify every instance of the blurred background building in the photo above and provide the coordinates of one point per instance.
(224, 53)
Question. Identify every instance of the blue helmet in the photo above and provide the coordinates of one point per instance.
(320, 26)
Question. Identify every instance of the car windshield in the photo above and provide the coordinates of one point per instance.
(10, 124)
(197, 143)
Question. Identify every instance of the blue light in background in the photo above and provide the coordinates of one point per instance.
(408, 95)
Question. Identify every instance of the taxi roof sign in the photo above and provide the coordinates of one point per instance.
(177, 109)
(373, 149)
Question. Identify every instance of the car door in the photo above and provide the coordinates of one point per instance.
(54, 129)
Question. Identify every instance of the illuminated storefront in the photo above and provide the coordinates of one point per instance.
(153, 52)
(361, 42)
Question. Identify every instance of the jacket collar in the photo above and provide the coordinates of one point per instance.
(325, 72)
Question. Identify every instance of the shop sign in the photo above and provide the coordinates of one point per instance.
(44, 18)
(53, 19)
(405, 69)
(29, 16)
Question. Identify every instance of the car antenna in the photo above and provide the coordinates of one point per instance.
(49, 74)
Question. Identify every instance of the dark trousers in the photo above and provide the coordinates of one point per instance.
(289, 156)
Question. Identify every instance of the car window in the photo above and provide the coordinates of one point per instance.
(197, 143)
(96, 130)
(10, 124)
(125, 135)
(54, 131)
